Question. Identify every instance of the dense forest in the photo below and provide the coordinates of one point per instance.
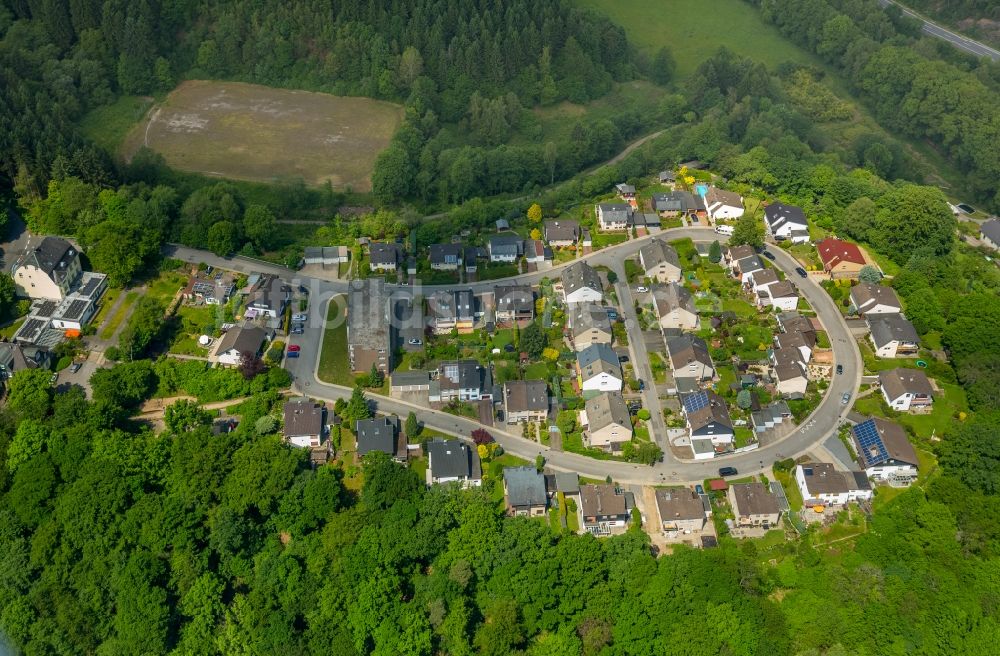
(909, 86)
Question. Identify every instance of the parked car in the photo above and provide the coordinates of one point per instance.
(292, 354)
(414, 341)
(727, 471)
(845, 398)
(642, 384)
(300, 317)
(75, 367)
(292, 348)
(642, 289)
(840, 369)
(802, 272)
(623, 358)
(613, 315)
(769, 255)
(297, 330)
(699, 489)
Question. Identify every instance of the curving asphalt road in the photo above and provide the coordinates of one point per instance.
(816, 428)
(959, 41)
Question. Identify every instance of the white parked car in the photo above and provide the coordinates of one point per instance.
(300, 317)
(641, 289)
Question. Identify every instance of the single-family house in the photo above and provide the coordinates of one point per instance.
(989, 233)
(689, 358)
(446, 257)
(744, 268)
(47, 270)
(893, 336)
(884, 452)
(269, 295)
(659, 261)
(681, 510)
(525, 400)
(582, 284)
(867, 298)
(822, 485)
(304, 423)
(783, 222)
(237, 341)
(841, 259)
(513, 303)
(782, 295)
(16, 357)
(505, 247)
(384, 256)
(625, 191)
(754, 505)
(707, 417)
(667, 177)
(802, 342)
(791, 322)
(461, 380)
(451, 310)
(471, 257)
(453, 462)
(760, 280)
(613, 216)
(733, 254)
(677, 203)
(380, 434)
(769, 416)
(599, 369)
(566, 482)
(675, 307)
(369, 331)
(524, 492)
(906, 389)
(608, 423)
(562, 233)
(790, 378)
(606, 509)
(721, 204)
(588, 324)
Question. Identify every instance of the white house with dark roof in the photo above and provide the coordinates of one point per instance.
(760, 280)
(721, 204)
(506, 247)
(786, 222)
(525, 400)
(906, 389)
(613, 217)
(237, 341)
(893, 336)
(304, 422)
(867, 299)
(989, 233)
(822, 485)
(453, 462)
(524, 492)
(884, 452)
(689, 358)
(384, 256)
(782, 295)
(561, 233)
(446, 257)
(599, 369)
(582, 284)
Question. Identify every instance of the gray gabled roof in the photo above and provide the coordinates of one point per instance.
(605, 409)
(598, 358)
(243, 340)
(376, 434)
(991, 229)
(897, 382)
(615, 212)
(303, 417)
(865, 295)
(506, 244)
(526, 395)
(589, 316)
(671, 297)
(452, 459)
(715, 411)
(383, 253)
(525, 486)
(579, 275)
(562, 230)
(886, 328)
(878, 441)
(445, 253)
(53, 256)
(778, 214)
(656, 252)
(686, 349)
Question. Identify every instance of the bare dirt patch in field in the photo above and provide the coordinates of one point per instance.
(250, 132)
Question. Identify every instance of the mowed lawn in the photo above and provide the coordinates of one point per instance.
(251, 132)
(334, 365)
(694, 30)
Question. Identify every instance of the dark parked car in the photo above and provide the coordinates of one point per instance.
(623, 358)
(769, 255)
(292, 354)
(727, 471)
(699, 489)
(840, 368)
(802, 272)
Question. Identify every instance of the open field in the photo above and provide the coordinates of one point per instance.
(251, 132)
(108, 125)
(334, 365)
(695, 30)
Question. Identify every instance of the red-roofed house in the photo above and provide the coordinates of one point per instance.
(841, 259)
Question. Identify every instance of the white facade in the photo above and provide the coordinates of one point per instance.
(891, 473)
(584, 295)
(602, 382)
(840, 498)
(784, 303)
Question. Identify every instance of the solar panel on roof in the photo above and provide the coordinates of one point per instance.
(695, 401)
(88, 287)
(868, 439)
